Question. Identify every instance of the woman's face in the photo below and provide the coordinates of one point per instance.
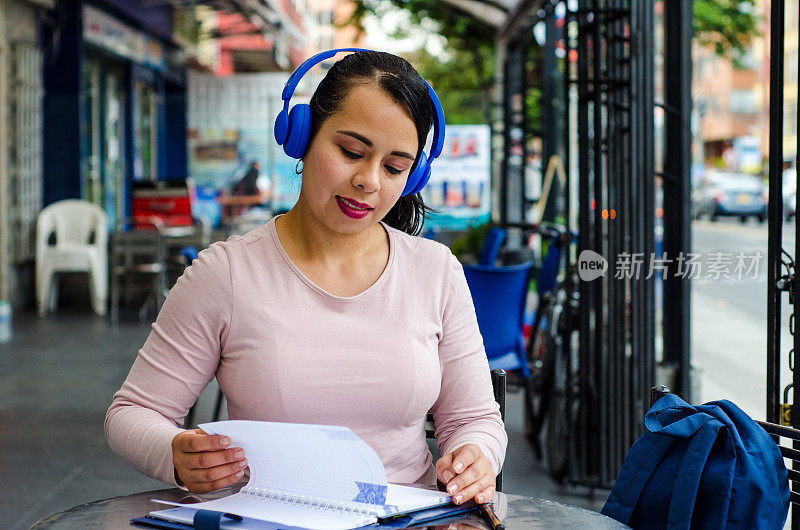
(357, 165)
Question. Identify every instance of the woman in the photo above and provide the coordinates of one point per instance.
(333, 313)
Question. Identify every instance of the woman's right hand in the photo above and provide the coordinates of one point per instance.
(205, 462)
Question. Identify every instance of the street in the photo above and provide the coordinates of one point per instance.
(729, 317)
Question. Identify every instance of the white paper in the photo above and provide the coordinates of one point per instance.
(274, 511)
(311, 476)
(316, 460)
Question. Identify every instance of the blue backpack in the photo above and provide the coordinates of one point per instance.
(709, 466)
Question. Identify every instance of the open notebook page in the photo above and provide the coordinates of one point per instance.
(270, 510)
(403, 499)
(314, 460)
(400, 499)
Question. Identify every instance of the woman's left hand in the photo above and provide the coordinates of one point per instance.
(466, 474)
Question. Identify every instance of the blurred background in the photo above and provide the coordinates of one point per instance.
(661, 129)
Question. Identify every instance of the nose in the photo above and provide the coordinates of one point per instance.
(368, 177)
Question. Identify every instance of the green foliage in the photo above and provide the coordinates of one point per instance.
(186, 25)
(728, 26)
(465, 97)
(469, 51)
(464, 75)
(467, 247)
(453, 23)
(533, 109)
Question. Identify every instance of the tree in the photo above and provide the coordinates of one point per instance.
(726, 25)
(465, 75)
(469, 52)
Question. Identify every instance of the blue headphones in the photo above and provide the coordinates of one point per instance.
(293, 128)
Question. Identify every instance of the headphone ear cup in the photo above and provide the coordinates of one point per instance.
(299, 131)
(423, 180)
(416, 176)
(281, 128)
(412, 181)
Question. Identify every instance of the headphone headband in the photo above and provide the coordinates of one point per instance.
(308, 64)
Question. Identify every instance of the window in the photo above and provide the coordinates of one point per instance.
(145, 135)
(25, 171)
(743, 101)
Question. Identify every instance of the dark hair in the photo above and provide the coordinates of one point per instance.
(403, 84)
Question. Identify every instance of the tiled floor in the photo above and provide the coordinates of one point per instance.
(57, 377)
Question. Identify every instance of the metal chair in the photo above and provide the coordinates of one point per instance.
(499, 388)
(138, 254)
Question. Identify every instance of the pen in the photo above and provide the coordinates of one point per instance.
(491, 518)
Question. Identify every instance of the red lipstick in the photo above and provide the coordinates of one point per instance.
(352, 208)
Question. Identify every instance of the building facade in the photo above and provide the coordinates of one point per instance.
(729, 102)
(732, 103)
(21, 88)
(115, 103)
(327, 26)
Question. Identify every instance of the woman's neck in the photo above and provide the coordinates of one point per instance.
(305, 238)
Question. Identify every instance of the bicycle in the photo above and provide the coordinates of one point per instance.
(551, 393)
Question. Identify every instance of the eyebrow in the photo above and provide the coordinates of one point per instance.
(368, 143)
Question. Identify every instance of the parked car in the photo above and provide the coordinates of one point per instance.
(722, 193)
(789, 192)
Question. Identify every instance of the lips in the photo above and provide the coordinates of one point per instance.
(352, 208)
(354, 203)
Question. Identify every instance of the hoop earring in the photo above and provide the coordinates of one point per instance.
(298, 169)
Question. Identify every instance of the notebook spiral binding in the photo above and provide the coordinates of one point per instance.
(305, 500)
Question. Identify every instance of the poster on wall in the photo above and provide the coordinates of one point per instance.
(459, 184)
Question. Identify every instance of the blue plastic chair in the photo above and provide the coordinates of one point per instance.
(189, 254)
(491, 247)
(499, 296)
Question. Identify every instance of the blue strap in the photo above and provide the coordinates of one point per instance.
(673, 416)
(670, 401)
(437, 144)
(684, 492)
(210, 520)
(307, 65)
(639, 465)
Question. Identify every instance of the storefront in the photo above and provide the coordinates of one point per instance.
(114, 105)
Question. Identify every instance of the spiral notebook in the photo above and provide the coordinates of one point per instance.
(310, 476)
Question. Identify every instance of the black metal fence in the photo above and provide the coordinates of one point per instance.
(594, 83)
(615, 158)
(782, 273)
(597, 114)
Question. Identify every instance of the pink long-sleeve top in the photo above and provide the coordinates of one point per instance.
(285, 350)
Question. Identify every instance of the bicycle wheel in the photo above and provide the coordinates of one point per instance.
(565, 399)
(559, 423)
(538, 387)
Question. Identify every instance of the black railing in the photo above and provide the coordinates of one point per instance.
(782, 273)
(615, 159)
(605, 104)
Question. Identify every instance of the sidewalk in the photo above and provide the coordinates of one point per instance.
(57, 377)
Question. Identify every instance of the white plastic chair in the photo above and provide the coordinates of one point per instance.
(81, 245)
